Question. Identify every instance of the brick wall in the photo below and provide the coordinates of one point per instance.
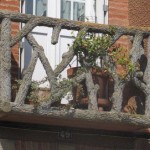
(13, 5)
(129, 12)
(139, 12)
(118, 14)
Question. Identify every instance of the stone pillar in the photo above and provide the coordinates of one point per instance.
(142, 144)
(13, 5)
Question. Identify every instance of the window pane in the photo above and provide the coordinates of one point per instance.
(78, 11)
(65, 9)
(41, 7)
(29, 6)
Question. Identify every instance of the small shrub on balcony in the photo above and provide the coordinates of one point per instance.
(119, 57)
(90, 47)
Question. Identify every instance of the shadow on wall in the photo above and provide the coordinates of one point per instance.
(14, 76)
(133, 99)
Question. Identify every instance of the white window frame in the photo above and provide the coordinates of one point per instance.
(34, 6)
(72, 2)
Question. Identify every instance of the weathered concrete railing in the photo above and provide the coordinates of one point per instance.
(38, 52)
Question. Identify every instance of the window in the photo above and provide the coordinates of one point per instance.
(36, 7)
(73, 9)
(41, 7)
(29, 7)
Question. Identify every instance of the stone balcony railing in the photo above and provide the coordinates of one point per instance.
(44, 113)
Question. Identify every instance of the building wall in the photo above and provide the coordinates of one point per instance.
(139, 11)
(118, 14)
(129, 12)
(13, 5)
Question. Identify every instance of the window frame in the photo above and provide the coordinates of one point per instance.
(72, 8)
(34, 9)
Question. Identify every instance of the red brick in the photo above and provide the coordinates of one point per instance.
(118, 12)
(11, 2)
(119, 5)
(118, 1)
(118, 15)
(9, 8)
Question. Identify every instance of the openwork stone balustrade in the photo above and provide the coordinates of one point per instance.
(44, 109)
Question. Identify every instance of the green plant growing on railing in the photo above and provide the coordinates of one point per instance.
(120, 58)
(33, 96)
(112, 30)
(90, 47)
